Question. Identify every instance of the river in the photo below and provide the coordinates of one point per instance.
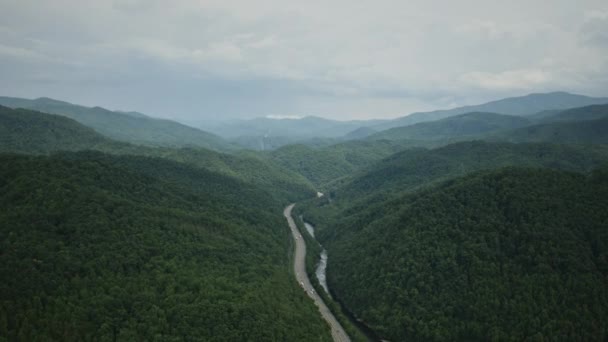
(320, 272)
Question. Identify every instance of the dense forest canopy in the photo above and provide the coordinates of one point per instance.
(127, 248)
(32, 132)
(510, 254)
(128, 127)
(475, 226)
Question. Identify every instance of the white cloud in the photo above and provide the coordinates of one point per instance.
(507, 80)
(395, 55)
(281, 117)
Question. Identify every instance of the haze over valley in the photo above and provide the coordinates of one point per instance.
(319, 171)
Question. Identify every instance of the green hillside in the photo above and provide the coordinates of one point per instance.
(28, 131)
(31, 132)
(513, 254)
(520, 105)
(368, 274)
(455, 127)
(410, 169)
(134, 248)
(321, 166)
(128, 127)
(562, 132)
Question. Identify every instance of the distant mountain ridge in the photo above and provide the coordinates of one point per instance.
(521, 105)
(27, 131)
(457, 126)
(31, 132)
(129, 127)
(593, 112)
(305, 127)
(559, 132)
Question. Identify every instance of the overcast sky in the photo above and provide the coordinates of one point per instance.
(198, 60)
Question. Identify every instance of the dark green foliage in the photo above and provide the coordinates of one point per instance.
(322, 166)
(351, 224)
(562, 132)
(454, 127)
(32, 132)
(134, 248)
(128, 127)
(409, 169)
(512, 254)
(28, 131)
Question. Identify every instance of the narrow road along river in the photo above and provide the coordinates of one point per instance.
(299, 267)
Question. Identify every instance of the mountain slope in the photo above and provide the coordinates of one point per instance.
(523, 105)
(410, 169)
(322, 166)
(458, 126)
(30, 132)
(128, 127)
(562, 132)
(301, 128)
(133, 248)
(26, 131)
(508, 255)
(595, 112)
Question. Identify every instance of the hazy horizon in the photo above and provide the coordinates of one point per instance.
(208, 60)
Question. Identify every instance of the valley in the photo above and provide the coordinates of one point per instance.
(470, 226)
(299, 266)
(303, 171)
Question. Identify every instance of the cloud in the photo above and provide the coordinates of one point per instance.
(21, 53)
(280, 117)
(330, 58)
(507, 80)
(594, 30)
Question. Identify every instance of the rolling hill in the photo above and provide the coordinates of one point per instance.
(129, 127)
(411, 169)
(128, 248)
(507, 254)
(521, 106)
(454, 127)
(586, 113)
(322, 166)
(403, 232)
(301, 128)
(561, 132)
(26, 131)
(31, 132)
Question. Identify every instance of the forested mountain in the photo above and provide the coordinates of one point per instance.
(578, 114)
(133, 248)
(522, 105)
(28, 131)
(359, 133)
(512, 254)
(413, 168)
(300, 128)
(32, 132)
(322, 166)
(454, 127)
(503, 237)
(563, 132)
(333, 167)
(264, 134)
(129, 127)
(408, 240)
